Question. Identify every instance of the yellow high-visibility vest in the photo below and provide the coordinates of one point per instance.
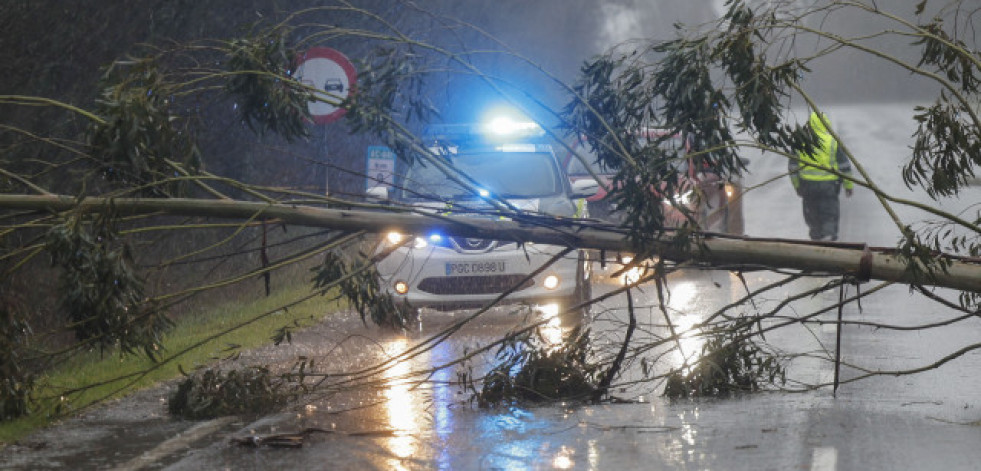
(824, 154)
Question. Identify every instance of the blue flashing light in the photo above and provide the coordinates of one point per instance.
(437, 240)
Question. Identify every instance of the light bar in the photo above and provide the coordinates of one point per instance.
(505, 126)
(498, 128)
(518, 148)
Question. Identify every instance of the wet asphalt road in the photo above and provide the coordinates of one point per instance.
(888, 423)
(924, 421)
(930, 420)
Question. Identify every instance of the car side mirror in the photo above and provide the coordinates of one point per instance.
(377, 193)
(585, 188)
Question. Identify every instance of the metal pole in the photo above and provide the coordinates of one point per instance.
(323, 131)
(841, 300)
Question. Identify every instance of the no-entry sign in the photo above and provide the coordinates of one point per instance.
(332, 75)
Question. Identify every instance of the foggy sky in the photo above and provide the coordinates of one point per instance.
(561, 34)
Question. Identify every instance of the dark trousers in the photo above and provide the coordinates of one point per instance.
(821, 208)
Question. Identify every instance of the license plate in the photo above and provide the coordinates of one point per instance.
(475, 268)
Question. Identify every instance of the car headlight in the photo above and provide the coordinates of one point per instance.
(632, 276)
(401, 287)
(396, 238)
(551, 282)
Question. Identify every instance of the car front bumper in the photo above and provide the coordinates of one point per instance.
(444, 278)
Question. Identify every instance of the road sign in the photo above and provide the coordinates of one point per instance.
(379, 167)
(332, 75)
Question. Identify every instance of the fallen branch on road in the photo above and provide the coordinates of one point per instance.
(295, 440)
(732, 252)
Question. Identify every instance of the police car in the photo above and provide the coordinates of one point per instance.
(508, 163)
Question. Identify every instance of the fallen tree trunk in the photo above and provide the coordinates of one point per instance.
(717, 250)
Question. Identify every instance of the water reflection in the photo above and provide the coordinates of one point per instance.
(563, 459)
(687, 315)
(443, 397)
(552, 332)
(402, 407)
(686, 447)
(593, 454)
(690, 339)
(683, 293)
(633, 274)
(429, 418)
(421, 414)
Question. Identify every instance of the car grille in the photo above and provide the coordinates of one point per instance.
(474, 245)
(489, 284)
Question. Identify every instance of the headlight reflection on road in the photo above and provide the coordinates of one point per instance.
(563, 459)
(683, 295)
(691, 341)
(632, 275)
(552, 330)
(403, 408)
(636, 273)
(686, 446)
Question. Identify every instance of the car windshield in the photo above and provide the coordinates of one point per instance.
(504, 174)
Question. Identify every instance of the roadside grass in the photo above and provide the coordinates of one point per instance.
(116, 376)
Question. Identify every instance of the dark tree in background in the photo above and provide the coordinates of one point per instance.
(57, 49)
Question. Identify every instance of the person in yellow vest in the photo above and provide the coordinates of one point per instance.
(817, 187)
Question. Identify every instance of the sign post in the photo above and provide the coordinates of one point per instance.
(333, 76)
